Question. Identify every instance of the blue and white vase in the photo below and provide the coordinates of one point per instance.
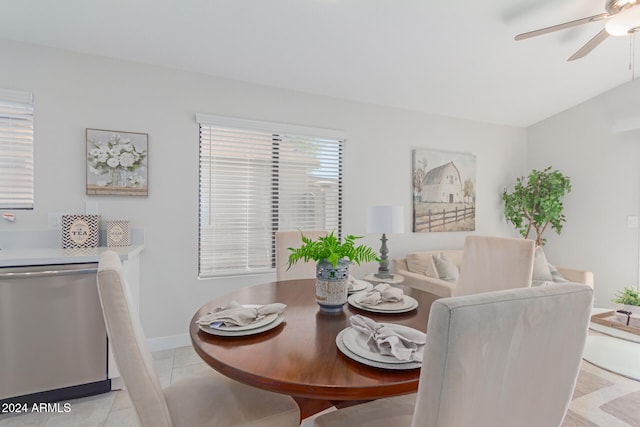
(332, 285)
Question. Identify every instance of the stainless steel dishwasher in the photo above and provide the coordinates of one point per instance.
(53, 342)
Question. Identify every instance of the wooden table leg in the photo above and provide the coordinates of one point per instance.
(309, 407)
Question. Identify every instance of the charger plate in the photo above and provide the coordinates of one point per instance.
(264, 328)
(375, 363)
(359, 286)
(407, 304)
(357, 343)
(268, 322)
(255, 324)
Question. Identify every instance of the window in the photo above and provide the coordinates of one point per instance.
(16, 149)
(257, 178)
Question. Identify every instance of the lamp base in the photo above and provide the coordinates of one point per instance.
(383, 275)
(383, 269)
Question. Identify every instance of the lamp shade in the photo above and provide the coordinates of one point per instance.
(385, 219)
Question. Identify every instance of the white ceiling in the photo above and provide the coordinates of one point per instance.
(454, 58)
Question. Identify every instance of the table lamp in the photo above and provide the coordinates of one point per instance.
(385, 219)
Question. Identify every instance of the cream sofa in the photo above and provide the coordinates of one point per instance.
(420, 272)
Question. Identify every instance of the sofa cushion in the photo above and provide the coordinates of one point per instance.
(556, 278)
(421, 263)
(446, 268)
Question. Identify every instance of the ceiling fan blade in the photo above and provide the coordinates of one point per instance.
(590, 45)
(563, 26)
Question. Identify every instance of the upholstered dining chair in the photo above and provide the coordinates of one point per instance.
(292, 239)
(503, 358)
(495, 263)
(207, 400)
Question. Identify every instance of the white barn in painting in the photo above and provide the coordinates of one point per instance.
(443, 184)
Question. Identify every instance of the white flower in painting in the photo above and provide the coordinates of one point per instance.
(127, 160)
(136, 179)
(115, 153)
(113, 162)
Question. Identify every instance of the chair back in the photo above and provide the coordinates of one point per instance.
(495, 263)
(292, 239)
(504, 358)
(129, 345)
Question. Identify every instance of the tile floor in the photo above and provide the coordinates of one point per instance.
(114, 409)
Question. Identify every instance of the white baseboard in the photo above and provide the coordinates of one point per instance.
(117, 383)
(168, 343)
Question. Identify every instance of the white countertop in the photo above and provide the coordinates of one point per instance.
(42, 247)
(45, 256)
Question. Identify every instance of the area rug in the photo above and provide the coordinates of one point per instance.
(603, 399)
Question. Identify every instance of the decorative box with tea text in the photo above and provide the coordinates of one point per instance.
(80, 231)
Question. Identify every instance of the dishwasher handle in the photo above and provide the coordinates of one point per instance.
(47, 273)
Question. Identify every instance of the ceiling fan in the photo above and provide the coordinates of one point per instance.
(623, 18)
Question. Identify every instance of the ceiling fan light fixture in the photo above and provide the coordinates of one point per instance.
(617, 6)
(624, 23)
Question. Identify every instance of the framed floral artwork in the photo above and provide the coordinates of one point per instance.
(117, 163)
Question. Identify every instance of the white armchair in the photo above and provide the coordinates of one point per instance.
(495, 263)
(502, 358)
(206, 400)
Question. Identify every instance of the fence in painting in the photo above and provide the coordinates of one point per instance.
(441, 218)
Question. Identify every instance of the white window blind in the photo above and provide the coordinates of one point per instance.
(16, 149)
(257, 178)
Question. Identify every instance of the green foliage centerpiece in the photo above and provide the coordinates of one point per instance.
(630, 298)
(536, 203)
(332, 269)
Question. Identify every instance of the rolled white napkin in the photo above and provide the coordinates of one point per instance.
(403, 345)
(382, 293)
(236, 315)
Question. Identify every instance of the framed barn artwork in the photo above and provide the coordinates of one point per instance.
(444, 191)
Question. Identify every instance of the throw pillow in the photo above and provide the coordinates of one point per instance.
(555, 274)
(541, 270)
(431, 269)
(447, 269)
(420, 263)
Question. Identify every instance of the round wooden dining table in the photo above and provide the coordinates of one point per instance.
(300, 357)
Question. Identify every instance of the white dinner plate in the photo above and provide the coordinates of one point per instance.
(407, 304)
(240, 333)
(359, 286)
(357, 342)
(256, 324)
(351, 355)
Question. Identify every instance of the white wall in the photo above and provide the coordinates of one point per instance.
(74, 92)
(603, 165)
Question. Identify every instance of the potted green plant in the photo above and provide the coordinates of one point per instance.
(333, 258)
(630, 298)
(536, 203)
